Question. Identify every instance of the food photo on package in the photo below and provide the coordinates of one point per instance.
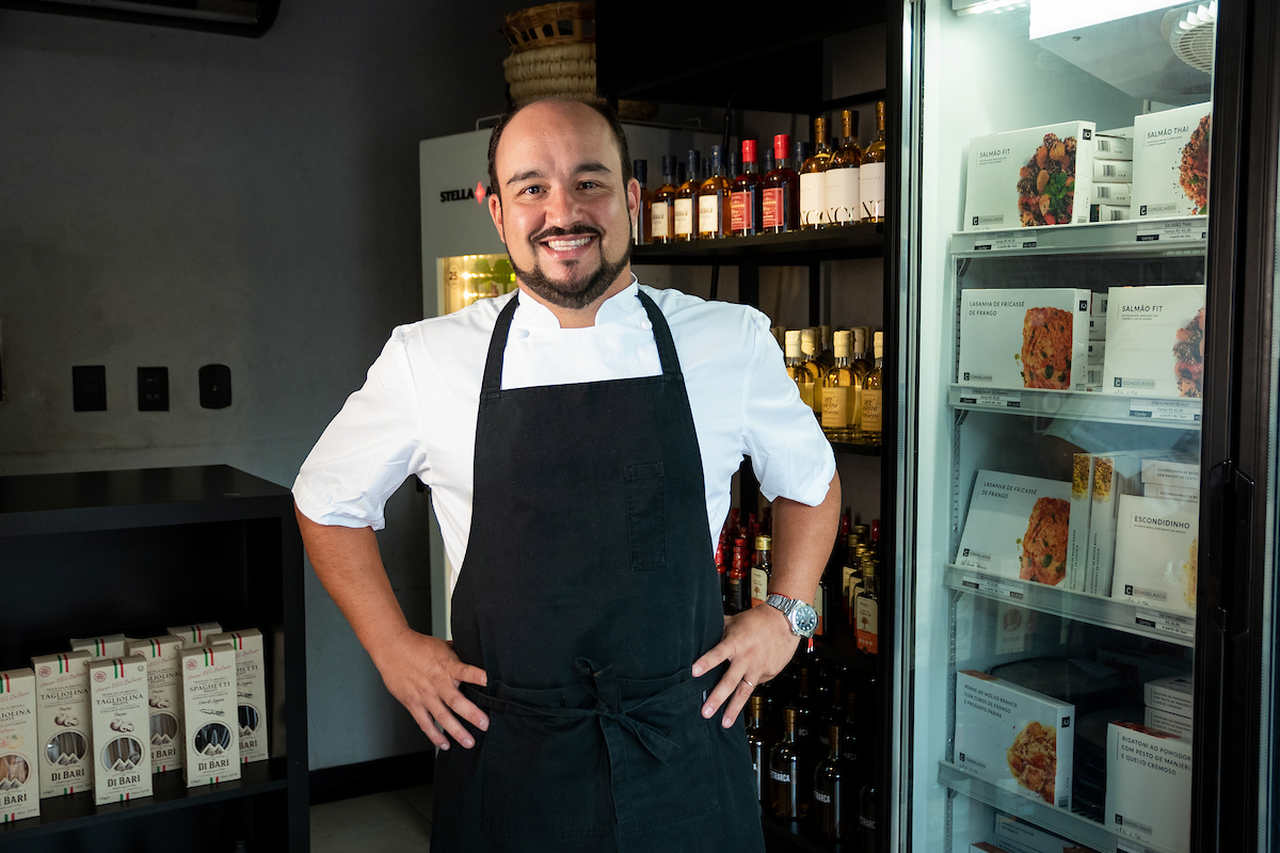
(1156, 341)
(1030, 177)
(1171, 162)
(1024, 338)
(1018, 527)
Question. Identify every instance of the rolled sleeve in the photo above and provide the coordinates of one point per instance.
(789, 454)
(368, 449)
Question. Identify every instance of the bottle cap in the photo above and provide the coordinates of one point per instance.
(859, 339)
(807, 341)
(748, 151)
(792, 343)
(769, 162)
(640, 170)
(715, 160)
(879, 345)
(843, 343)
(735, 165)
(781, 146)
(820, 130)
(800, 151)
(695, 164)
(853, 540)
(764, 543)
(668, 166)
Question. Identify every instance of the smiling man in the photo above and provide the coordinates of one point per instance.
(579, 437)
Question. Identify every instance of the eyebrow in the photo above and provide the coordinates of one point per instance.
(589, 166)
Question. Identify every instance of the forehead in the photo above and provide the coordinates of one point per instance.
(555, 136)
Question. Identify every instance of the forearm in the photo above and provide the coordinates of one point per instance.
(347, 561)
(802, 540)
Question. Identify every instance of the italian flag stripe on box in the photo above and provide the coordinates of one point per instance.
(117, 668)
(100, 646)
(155, 649)
(208, 657)
(64, 665)
(5, 687)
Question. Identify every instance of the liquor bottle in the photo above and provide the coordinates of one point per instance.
(640, 227)
(826, 353)
(796, 369)
(841, 180)
(871, 173)
(757, 745)
(744, 197)
(682, 174)
(837, 393)
(722, 569)
(662, 205)
(821, 601)
(871, 420)
(780, 191)
(851, 579)
(803, 703)
(828, 790)
(874, 541)
(769, 164)
(761, 570)
(869, 811)
(713, 201)
(862, 365)
(784, 773)
(736, 598)
(686, 210)
(813, 200)
(868, 611)
(809, 349)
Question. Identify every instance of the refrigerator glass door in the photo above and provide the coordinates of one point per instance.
(1054, 293)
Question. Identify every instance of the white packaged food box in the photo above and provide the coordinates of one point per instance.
(194, 636)
(1179, 475)
(251, 691)
(1097, 328)
(19, 746)
(164, 699)
(1114, 474)
(1024, 338)
(1175, 694)
(1031, 177)
(1171, 162)
(1014, 738)
(110, 646)
(1016, 836)
(1078, 532)
(1157, 554)
(1113, 171)
(1169, 493)
(1018, 527)
(118, 687)
(212, 728)
(1174, 724)
(1148, 786)
(1112, 193)
(1110, 145)
(1108, 212)
(1098, 302)
(63, 723)
(1155, 341)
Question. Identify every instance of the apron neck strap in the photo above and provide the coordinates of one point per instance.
(492, 382)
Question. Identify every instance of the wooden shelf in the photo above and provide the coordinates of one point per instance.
(794, 248)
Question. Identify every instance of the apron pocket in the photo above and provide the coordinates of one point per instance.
(645, 488)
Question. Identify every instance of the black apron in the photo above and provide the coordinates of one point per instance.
(589, 590)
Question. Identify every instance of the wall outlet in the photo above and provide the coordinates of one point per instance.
(89, 387)
(215, 386)
(153, 389)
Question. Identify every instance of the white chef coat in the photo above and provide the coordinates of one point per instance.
(416, 413)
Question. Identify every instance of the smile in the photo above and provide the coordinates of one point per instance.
(568, 248)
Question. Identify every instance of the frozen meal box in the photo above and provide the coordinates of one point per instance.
(1170, 493)
(1015, 738)
(1097, 328)
(1108, 212)
(1111, 146)
(164, 699)
(1157, 548)
(1175, 694)
(1018, 527)
(19, 780)
(1078, 529)
(1174, 724)
(118, 687)
(110, 646)
(1024, 338)
(1181, 475)
(194, 636)
(1024, 178)
(1113, 171)
(1149, 786)
(1019, 837)
(1112, 193)
(1098, 302)
(1171, 162)
(1155, 341)
(63, 723)
(251, 691)
(209, 700)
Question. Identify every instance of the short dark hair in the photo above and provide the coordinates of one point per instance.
(602, 107)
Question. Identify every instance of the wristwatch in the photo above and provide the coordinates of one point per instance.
(802, 617)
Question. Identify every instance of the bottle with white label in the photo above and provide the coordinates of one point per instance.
(795, 364)
(871, 173)
(713, 201)
(871, 418)
(841, 180)
(837, 391)
(687, 200)
(813, 202)
(662, 205)
(867, 617)
(761, 570)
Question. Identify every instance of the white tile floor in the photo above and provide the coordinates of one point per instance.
(393, 822)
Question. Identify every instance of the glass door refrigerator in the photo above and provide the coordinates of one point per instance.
(1087, 417)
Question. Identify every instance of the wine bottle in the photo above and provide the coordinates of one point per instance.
(686, 203)
(738, 582)
(757, 745)
(813, 203)
(780, 191)
(828, 790)
(662, 205)
(744, 198)
(761, 570)
(784, 773)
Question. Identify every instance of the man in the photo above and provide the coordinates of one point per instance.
(579, 437)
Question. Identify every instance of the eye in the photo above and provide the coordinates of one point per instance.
(530, 190)
(588, 185)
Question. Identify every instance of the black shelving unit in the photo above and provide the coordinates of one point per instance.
(794, 248)
(133, 551)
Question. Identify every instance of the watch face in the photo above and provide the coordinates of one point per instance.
(804, 618)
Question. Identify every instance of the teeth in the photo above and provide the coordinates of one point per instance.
(566, 245)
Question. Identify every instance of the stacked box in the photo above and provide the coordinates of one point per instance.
(19, 748)
(1157, 553)
(1175, 694)
(1178, 481)
(1078, 533)
(164, 699)
(64, 723)
(1171, 162)
(1155, 341)
(1114, 474)
(1113, 173)
(1018, 837)
(194, 636)
(110, 646)
(1024, 338)
(118, 687)
(209, 701)
(1018, 527)
(1014, 738)
(1174, 724)
(1031, 177)
(1096, 364)
(251, 691)
(1149, 786)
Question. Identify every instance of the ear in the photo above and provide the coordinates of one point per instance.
(635, 198)
(495, 213)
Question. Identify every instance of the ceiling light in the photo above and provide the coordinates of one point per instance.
(1050, 17)
(977, 7)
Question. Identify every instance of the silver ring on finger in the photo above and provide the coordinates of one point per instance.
(749, 683)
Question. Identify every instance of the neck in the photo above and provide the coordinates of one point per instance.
(581, 318)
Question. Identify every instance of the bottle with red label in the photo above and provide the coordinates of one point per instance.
(780, 191)
(736, 600)
(744, 197)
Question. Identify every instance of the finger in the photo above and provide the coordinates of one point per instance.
(737, 700)
(727, 685)
(428, 726)
(470, 674)
(718, 654)
(447, 721)
(465, 708)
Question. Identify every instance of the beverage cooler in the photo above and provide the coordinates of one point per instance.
(1087, 220)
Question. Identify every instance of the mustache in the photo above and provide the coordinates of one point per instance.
(557, 231)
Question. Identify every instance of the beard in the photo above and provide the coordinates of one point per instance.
(577, 292)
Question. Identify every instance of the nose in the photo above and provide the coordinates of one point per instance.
(562, 208)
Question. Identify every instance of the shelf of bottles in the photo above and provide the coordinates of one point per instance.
(812, 730)
(840, 376)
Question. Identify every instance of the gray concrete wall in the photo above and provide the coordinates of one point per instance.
(177, 198)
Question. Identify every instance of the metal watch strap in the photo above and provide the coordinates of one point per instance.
(781, 603)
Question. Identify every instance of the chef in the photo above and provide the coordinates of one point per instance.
(578, 436)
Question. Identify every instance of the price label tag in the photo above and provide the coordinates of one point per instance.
(1003, 241)
(970, 582)
(991, 399)
(1183, 411)
(1012, 592)
(1182, 627)
(1177, 231)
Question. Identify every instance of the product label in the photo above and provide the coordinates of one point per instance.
(684, 217)
(740, 211)
(844, 197)
(871, 188)
(868, 625)
(806, 391)
(777, 776)
(660, 219)
(709, 214)
(871, 410)
(813, 202)
(836, 407)
(771, 204)
(822, 797)
(759, 587)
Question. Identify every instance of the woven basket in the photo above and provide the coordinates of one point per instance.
(550, 25)
(568, 70)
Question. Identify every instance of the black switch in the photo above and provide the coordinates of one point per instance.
(153, 389)
(215, 386)
(89, 387)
